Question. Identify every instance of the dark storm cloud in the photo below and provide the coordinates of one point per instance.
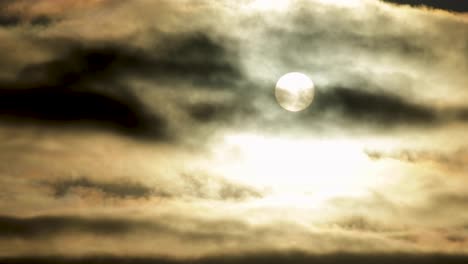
(84, 84)
(177, 58)
(374, 108)
(62, 107)
(46, 226)
(451, 5)
(43, 227)
(11, 20)
(192, 57)
(274, 257)
(41, 21)
(74, 89)
(196, 58)
(113, 189)
(194, 186)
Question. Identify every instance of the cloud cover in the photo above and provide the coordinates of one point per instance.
(112, 114)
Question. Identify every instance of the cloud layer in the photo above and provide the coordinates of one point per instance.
(132, 130)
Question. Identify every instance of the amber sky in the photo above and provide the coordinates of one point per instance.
(147, 131)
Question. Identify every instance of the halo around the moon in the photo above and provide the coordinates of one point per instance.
(294, 91)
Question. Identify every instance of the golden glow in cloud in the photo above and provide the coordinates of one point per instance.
(322, 168)
(215, 166)
(268, 5)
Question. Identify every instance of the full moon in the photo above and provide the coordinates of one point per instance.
(294, 91)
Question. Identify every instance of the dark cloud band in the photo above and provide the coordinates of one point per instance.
(451, 5)
(84, 86)
(293, 257)
(114, 189)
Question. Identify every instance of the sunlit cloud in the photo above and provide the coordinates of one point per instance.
(141, 129)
